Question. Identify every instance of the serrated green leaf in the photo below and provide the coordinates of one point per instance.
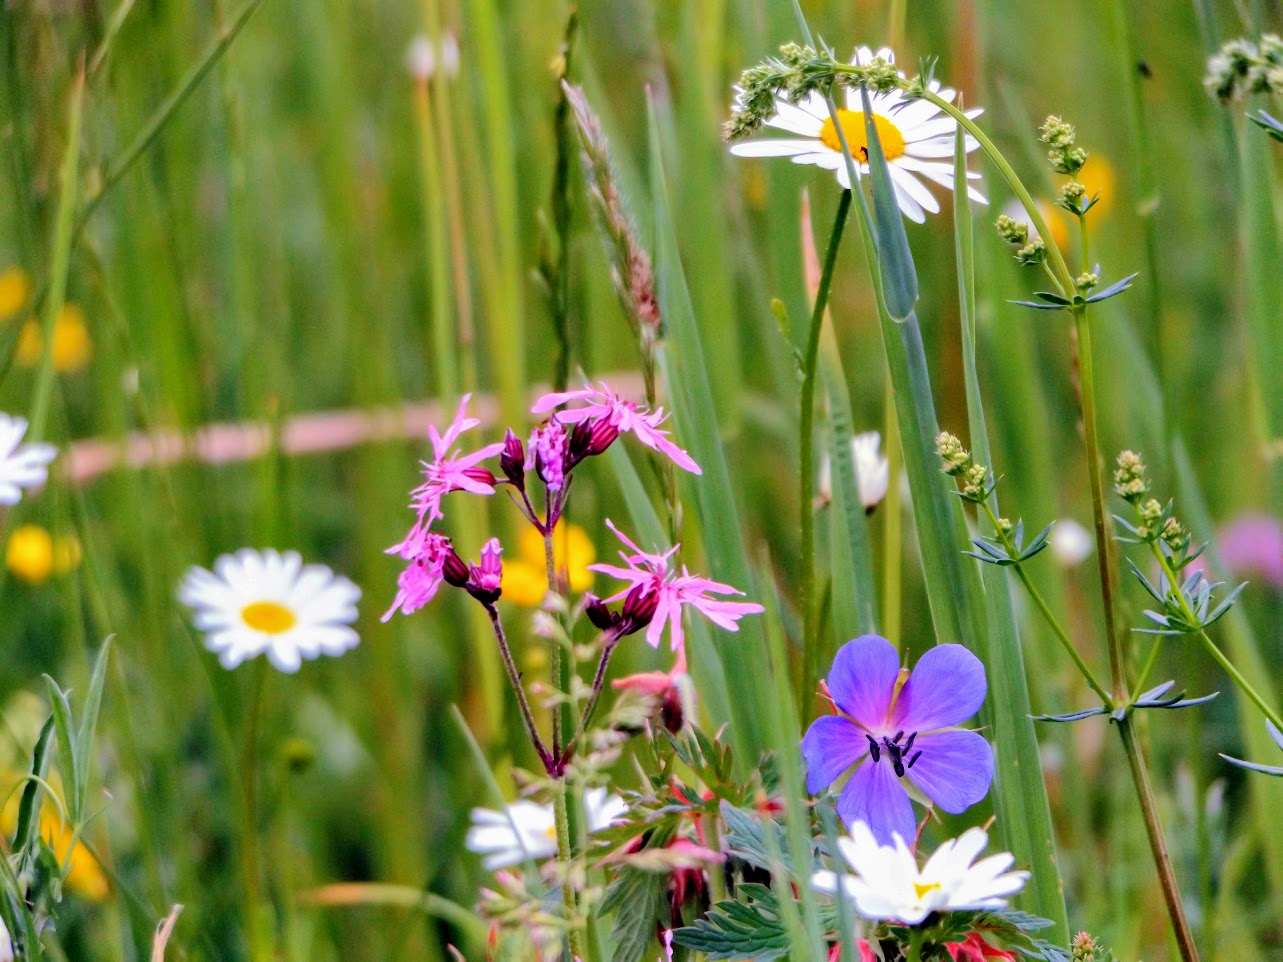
(749, 929)
(639, 900)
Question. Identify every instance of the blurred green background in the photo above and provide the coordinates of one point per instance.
(316, 229)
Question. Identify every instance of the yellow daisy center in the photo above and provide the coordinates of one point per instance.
(852, 122)
(551, 831)
(922, 890)
(270, 617)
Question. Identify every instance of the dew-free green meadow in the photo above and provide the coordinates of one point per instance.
(310, 658)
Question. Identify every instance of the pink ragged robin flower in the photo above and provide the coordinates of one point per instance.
(604, 404)
(447, 471)
(655, 573)
(434, 562)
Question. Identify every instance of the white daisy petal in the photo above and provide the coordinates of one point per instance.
(269, 603)
(772, 148)
(913, 187)
(21, 465)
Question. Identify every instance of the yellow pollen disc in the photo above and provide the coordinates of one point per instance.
(852, 122)
(922, 890)
(268, 616)
(551, 831)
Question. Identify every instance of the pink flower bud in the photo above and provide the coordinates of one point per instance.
(512, 461)
(486, 580)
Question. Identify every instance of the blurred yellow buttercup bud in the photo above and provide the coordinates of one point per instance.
(72, 346)
(33, 554)
(15, 288)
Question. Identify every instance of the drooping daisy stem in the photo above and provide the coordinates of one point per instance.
(806, 473)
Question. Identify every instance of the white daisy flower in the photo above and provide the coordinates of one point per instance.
(21, 465)
(871, 470)
(265, 602)
(1071, 543)
(886, 882)
(917, 143)
(529, 830)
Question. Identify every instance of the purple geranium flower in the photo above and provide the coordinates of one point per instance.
(896, 725)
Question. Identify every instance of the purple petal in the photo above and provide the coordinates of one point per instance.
(862, 679)
(831, 746)
(875, 796)
(946, 687)
(954, 770)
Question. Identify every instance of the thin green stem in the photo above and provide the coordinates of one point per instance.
(1157, 842)
(1139, 688)
(254, 935)
(610, 642)
(892, 544)
(514, 678)
(63, 237)
(578, 947)
(806, 473)
(1045, 610)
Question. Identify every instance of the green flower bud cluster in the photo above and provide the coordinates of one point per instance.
(1084, 948)
(1033, 253)
(796, 73)
(1014, 232)
(1242, 67)
(1065, 156)
(1129, 477)
(1086, 281)
(973, 478)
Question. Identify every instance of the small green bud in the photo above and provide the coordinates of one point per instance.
(881, 76)
(1056, 134)
(1005, 527)
(1086, 281)
(1173, 534)
(1129, 477)
(1012, 230)
(1073, 193)
(1151, 511)
(1084, 948)
(956, 458)
(1033, 253)
(1067, 161)
(974, 480)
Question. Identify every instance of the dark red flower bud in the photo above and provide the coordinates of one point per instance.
(591, 438)
(455, 571)
(603, 618)
(482, 475)
(639, 609)
(512, 461)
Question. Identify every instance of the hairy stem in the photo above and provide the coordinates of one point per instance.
(611, 641)
(569, 898)
(806, 472)
(514, 677)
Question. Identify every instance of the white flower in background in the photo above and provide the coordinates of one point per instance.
(21, 465)
(886, 883)
(423, 58)
(529, 830)
(917, 143)
(870, 468)
(1071, 543)
(6, 944)
(265, 602)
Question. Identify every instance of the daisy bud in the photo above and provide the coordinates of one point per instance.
(486, 578)
(512, 461)
(454, 570)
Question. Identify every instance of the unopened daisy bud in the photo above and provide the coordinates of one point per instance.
(639, 608)
(1012, 230)
(512, 461)
(1084, 948)
(1032, 254)
(1129, 477)
(602, 618)
(1086, 281)
(952, 453)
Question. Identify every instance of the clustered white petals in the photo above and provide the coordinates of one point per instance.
(21, 465)
(886, 883)
(269, 603)
(528, 830)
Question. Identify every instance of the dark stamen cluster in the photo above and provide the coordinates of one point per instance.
(896, 752)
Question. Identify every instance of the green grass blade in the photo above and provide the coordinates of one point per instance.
(28, 828)
(899, 276)
(65, 734)
(88, 723)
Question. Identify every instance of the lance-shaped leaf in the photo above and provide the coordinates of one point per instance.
(899, 276)
(1277, 737)
(1274, 128)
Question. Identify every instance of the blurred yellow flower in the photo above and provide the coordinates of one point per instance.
(15, 288)
(71, 344)
(525, 578)
(33, 554)
(1098, 177)
(85, 876)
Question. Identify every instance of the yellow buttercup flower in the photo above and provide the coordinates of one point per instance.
(15, 288)
(1098, 177)
(33, 554)
(72, 346)
(85, 876)
(525, 578)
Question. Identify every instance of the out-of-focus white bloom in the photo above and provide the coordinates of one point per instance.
(21, 465)
(264, 602)
(424, 58)
(871, 470)
(886, 882)
(1071, 543)
(529, 830)
(6, 944)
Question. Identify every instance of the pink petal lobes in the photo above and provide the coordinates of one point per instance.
(863, 678)
(875, 796)
(946, 687)
(954, 770)
(831, 745)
